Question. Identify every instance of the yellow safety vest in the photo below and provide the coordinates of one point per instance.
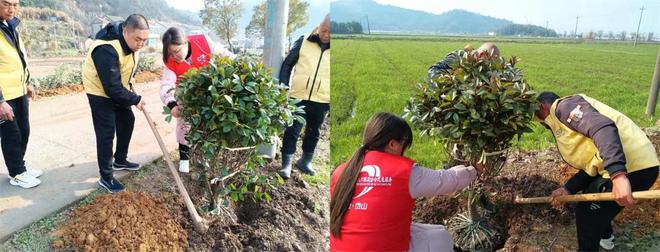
(580, 151)
(127, 66)
(311, 75)
(13, 76)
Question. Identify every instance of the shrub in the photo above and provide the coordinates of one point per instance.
(477, 106)
(63, 75)
(232, 106)
(147, 64)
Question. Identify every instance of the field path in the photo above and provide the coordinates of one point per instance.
(62, 144)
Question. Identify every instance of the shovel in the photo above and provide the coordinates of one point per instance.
(198, 222)
(606, 196)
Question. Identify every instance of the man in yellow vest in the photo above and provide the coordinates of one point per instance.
(107, 72)
(611, 153)
(14, 94)
(309, 60)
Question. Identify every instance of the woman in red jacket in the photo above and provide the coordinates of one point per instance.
(180, 54)
(373, 194)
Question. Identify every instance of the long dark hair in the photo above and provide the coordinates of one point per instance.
(381, 128)
(173, 36)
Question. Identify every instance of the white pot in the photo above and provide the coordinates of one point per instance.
(269, 150)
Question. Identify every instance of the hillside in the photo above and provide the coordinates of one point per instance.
(395, 19)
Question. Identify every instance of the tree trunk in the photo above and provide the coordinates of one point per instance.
(471, 207)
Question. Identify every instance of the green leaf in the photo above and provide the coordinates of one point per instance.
(228, 98)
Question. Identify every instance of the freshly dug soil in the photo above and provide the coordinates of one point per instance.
(127, 221)
(147, 77)
(142, 77)
(296, 219)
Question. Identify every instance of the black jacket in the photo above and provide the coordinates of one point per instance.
(442, 65)
(106, 60)
(291, 59)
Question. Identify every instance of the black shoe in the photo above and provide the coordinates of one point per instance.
(113, 185)
(304, 164)
(118, 166)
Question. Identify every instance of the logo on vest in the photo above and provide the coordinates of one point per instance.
(202, 58)
(359, 206)
(373, 179)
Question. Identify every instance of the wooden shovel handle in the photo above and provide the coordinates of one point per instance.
(198, 221)
(607, 196)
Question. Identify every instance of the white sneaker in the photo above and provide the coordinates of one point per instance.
(24, 180)
(607, 244)
(184, 166)
(32, 172)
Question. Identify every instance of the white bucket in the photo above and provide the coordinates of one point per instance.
(269, 150)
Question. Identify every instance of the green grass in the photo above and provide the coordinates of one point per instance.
(372, 74)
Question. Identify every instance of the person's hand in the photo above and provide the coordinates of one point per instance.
(561, 191)
(175, 112)
(622, 192)
(141, 105)
(480, 168)
(6, 112)
(31, 92)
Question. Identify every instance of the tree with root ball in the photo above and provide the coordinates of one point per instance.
(477, 106)
(231, 107)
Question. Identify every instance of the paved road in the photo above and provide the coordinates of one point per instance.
(62, 144)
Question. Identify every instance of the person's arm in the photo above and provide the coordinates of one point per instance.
(290, 61)
(441, 65)
(424, 182)
(579, 115)
(106, 61)
(167, 86)
(218, 49)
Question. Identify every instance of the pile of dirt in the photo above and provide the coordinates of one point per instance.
(144, 77)
(296, 219)
(61, 90)
(126, 221)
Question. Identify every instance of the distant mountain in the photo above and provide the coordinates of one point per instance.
(395, 19)
(87, 10)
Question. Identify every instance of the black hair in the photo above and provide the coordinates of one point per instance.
(547, 97)
(136, 21)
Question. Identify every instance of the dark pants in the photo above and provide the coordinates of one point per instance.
(594, 219)
(184, 152)
(14, 136)
(110, 118)
(314, 115)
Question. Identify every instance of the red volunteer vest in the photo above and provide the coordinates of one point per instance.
(380, 214)
(200, 55)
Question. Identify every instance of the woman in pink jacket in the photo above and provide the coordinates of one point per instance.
(372, 196)
(180, 54)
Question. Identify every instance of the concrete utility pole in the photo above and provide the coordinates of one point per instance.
(576, 23)
(638, 24)
(277, 17)
(547, 34)
(655, 87)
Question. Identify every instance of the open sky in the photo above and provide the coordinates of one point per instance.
(606, 15)
(317, 11)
